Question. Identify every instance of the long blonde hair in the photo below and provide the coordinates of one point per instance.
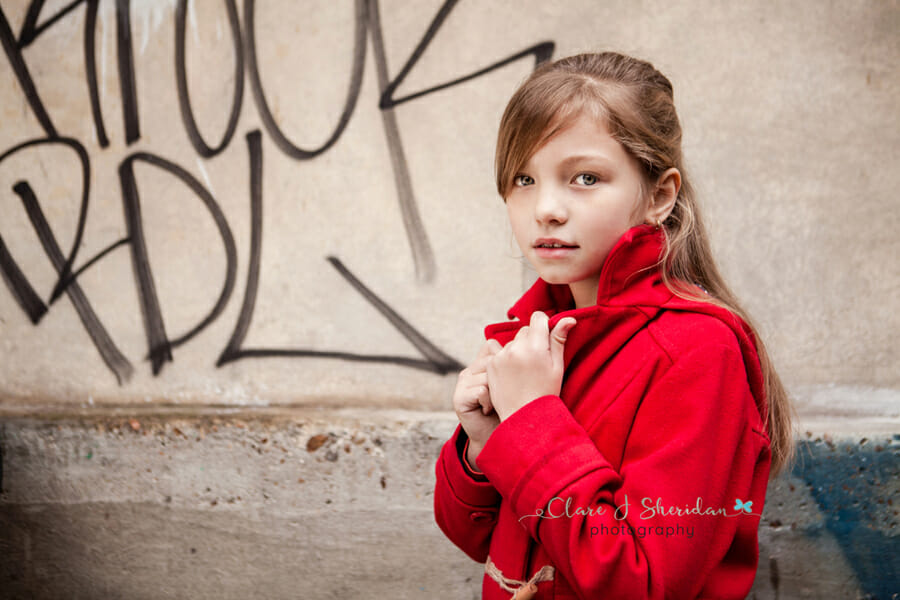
(637, 103)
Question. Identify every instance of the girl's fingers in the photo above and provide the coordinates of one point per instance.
(474, 395)
(558, 340)
(538, 319)
(484, 399)
(486, 349)
(487, 352)
(521, 334)
(477, 379)
(539, 330)
(561, 330)
(493, 347)
(480, 364)
(477, 398)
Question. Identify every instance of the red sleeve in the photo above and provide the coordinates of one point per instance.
(469, 469)
(690, 439)
(465, 505)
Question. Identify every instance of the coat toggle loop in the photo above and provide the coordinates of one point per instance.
(528, 588)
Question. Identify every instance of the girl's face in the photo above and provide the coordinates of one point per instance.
(572, 201)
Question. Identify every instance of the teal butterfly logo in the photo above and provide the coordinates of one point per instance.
(744, 506)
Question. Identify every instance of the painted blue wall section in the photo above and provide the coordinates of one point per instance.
(856, 488)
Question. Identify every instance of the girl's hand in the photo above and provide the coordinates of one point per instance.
(530, 366)
(472, 401)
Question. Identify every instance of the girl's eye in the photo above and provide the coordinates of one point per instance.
(521, 180)
(586, 179)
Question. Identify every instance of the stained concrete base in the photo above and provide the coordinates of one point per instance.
(337, 504)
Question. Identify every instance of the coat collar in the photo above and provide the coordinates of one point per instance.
(629, 276)
(630, 294)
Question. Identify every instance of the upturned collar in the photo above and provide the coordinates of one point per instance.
(629, 276)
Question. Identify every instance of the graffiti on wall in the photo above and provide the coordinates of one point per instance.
(854, 487)
(69, 266)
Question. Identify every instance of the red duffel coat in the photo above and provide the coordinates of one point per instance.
(646, 476)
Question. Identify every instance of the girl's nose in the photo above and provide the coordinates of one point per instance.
(550, 208)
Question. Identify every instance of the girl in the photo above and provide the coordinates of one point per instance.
(616, 438)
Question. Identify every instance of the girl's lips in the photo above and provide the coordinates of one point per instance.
(544, 242)
(552, 252)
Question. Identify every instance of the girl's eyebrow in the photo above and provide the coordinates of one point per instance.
(579, 158)
(571, 161)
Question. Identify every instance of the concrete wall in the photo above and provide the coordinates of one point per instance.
(337, 504)
(296, 236)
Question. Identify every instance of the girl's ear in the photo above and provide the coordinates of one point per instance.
(664, 195)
